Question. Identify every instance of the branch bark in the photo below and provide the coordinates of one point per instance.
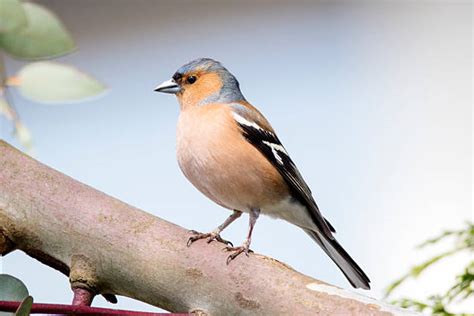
(108, 247)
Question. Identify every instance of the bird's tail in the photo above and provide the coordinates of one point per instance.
(348, 266)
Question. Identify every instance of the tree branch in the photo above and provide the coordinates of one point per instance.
(108, 247)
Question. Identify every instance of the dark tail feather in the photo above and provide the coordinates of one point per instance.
(348, 266)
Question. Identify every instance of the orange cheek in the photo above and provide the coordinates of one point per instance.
(204, 87)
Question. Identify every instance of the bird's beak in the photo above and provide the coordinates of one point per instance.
(169, 86)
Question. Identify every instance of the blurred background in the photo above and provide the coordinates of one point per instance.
(373, 101)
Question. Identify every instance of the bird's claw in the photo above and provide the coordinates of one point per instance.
(237, 251)
(219, 239)
(211, 237)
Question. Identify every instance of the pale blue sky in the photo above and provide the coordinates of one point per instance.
(373, 102)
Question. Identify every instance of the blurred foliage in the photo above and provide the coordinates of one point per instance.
(50, 82)
(461, 290)
(31, 31)
(12, 16)
(12, 289)
(43, 36)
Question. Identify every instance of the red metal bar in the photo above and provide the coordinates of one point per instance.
(38, 308)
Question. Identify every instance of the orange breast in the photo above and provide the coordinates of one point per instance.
(218, 161)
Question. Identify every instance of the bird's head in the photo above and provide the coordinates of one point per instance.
(200, 82)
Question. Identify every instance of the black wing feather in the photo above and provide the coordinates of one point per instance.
(261, 138)
(269, 145)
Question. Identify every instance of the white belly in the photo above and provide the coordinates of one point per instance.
(291, 211)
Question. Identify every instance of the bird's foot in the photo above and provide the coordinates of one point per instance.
(237, 251)
(211, 237)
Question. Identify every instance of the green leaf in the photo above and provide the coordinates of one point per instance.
(43, 37)
(437, 238)
(394, 285)
(464, 286)
(418, 269)
(12, 15)
(25, 307)
(50, 82)
(11, 289)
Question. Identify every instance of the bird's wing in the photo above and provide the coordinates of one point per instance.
(266, 141)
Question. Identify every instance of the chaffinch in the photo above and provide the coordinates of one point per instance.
(229, 151)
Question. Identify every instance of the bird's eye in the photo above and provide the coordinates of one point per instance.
(191, 79)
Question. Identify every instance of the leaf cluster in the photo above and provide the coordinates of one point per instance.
(462, 240)
(30, 31)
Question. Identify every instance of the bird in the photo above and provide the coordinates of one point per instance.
(229, 151)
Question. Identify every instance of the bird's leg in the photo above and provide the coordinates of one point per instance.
(253, 215)
(215, 234)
